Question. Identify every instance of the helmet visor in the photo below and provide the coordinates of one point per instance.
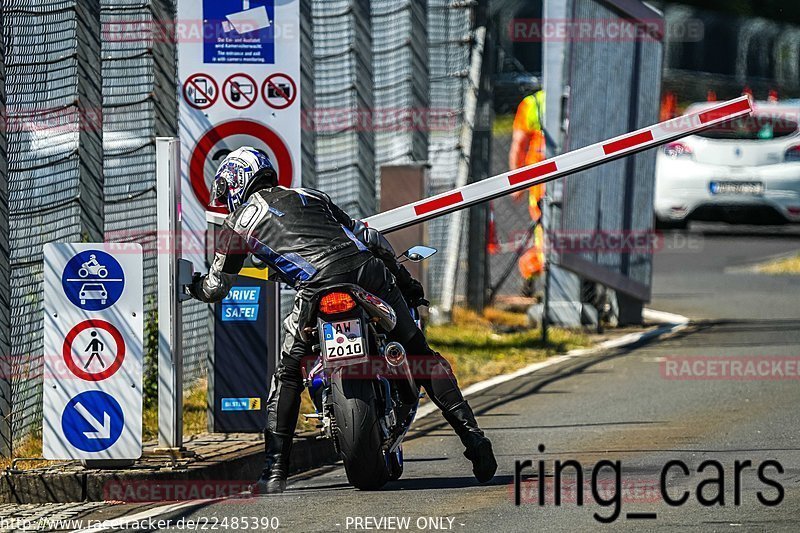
(219, 193)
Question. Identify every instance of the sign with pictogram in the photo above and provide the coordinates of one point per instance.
(279, 91)
(93, 280)
(92, 421)
(240, 91)
(251, 48)
(93, 350)
(238, 31)
(220, 141)
(200, 91)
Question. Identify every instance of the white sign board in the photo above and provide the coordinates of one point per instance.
(93, 350)
(239, 85)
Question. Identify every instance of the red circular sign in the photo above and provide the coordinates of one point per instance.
(279, 91)
(200, 91)
(240, 91)
(109, 370)
(197, 161)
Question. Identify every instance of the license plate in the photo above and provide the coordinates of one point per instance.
(752, 188)
(342, 340)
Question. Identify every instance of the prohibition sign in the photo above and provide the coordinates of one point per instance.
(109, 370)
(282, 88)
(202, 151)
(240, 91)
(200, 91)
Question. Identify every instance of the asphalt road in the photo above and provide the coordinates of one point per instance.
(615, 407)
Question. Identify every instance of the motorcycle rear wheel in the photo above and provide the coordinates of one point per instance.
(355, 406)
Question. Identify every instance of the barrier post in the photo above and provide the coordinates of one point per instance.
(173, 273)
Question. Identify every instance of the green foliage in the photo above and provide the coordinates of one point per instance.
(150, 382)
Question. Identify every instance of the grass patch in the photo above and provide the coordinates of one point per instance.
(481, 346)
(787, 265)
(31, 446)
(195, 413)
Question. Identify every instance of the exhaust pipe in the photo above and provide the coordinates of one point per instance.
(396, 358)
(395, 354)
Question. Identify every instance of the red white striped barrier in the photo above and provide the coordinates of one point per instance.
(559, 166)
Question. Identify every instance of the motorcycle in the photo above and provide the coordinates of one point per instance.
(362, 386)
(92, 267)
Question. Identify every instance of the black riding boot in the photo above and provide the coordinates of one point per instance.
(478, 446)
(276, 469)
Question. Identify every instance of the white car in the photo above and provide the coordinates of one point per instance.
(744, 171)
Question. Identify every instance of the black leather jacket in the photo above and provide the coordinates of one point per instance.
(300, 233)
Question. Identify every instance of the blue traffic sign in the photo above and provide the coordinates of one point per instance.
(232, 34)
(92, 421)
(93, 280)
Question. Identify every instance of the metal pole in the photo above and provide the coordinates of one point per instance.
(170, 319)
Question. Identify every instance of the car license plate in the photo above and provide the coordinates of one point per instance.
(752, 188)
(342, 340)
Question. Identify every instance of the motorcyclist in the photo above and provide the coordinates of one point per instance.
(310, 243)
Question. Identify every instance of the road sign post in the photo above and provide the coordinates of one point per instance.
(173, 273)
(93, 328)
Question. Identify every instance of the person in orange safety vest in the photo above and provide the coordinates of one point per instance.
(527, 148)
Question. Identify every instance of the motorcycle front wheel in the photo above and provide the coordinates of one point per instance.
(355, 407)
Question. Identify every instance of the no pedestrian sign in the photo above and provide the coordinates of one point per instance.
(93, 327)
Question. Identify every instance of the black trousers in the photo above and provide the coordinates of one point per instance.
(436, 377)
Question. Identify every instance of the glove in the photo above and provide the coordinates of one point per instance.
(412, 289)
(193, 289)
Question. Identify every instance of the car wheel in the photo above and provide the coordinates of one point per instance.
(671, 224)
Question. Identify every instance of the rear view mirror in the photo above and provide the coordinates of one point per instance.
(419, 253)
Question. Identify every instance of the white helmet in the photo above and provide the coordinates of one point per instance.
(237, 175)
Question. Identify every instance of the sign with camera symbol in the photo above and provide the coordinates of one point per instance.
(279, 91)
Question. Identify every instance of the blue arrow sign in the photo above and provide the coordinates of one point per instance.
(93, 280)
(92, 421)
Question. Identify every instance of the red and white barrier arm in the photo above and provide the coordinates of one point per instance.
(559, 166)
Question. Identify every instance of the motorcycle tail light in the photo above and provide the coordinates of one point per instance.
(336, 302)
(678, 149)
(793, 154)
